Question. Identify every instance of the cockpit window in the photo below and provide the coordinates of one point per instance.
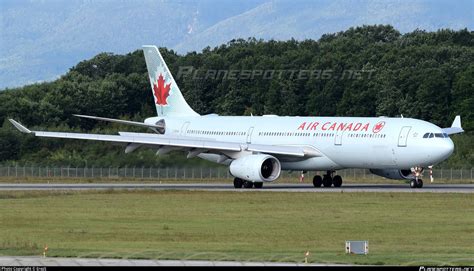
(438, 135)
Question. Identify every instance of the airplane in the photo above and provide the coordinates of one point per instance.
(258, 148)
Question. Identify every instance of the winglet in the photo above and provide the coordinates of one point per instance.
(20, 127)
(457, 122)
(455, 127)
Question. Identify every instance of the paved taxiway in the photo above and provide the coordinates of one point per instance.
(305, 187)
(40, 261)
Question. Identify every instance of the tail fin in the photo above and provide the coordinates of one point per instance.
(168, 98)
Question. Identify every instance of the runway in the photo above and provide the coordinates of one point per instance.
(268, 187)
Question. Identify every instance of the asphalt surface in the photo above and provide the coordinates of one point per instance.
(47, 261)
(267, 187)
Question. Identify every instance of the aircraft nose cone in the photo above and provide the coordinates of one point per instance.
(445, 148)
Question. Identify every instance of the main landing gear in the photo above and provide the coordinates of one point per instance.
(327, 180)
(239, 183)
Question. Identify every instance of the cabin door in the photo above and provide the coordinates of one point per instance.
(403, 136)
(184, 128)
(249, 135)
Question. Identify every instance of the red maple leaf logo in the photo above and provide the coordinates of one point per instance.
(161, 90)
(378, 127)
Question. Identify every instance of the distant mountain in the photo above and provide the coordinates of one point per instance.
(310, 19)
(41, 39)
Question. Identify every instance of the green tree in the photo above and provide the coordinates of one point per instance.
(463, 97)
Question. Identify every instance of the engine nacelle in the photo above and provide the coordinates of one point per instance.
(256, 168)
(396, 174)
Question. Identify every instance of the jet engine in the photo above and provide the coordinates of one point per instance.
(256, 168)
(396, 174)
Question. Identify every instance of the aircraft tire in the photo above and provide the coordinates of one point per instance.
(413, 184)
(337, 181)
(238, 183)
(317, 181)
(258, 185)
(419, 184)
(327, 181)
(248, 184)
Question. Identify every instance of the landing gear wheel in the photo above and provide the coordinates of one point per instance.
(317, 181)
(413, 184)
(248, 184)
(258, 185)
(337, 181)
(419, 183)
(327, 181)
(238, 183)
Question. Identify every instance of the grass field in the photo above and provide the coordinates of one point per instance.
(402, 228)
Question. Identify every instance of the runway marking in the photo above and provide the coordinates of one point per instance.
(429, 188)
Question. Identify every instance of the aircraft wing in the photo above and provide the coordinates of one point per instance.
(455, 127)
(198, 145)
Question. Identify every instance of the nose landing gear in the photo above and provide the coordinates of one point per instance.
(417, 182)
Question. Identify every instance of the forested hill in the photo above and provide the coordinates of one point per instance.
(364, 71)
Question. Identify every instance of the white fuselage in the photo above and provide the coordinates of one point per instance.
(345, 142)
